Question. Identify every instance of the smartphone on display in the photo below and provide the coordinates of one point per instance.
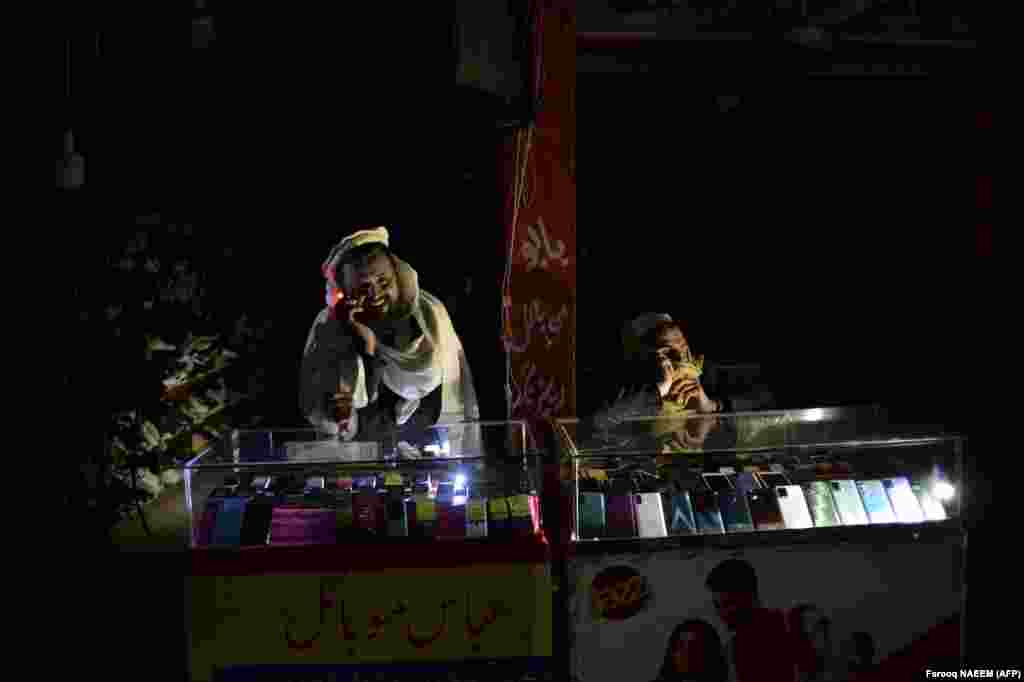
(764, 510)
(848, 503)
(228, 528)
(302, 526)
(497, 516)
(592, 515)
(445, 492)
(621, 516)
(476, 517)
(398, 521)
(717, 482)
(821, 504)
(930, 505)
(650, 515)
(368, 510)
(344, 514)
(256, 521)
(876, 502)
(421, 511)
(735, 511)
(772, 479)
(207, 521)
(793, 506)
(523, 518)
(903, 500)
(681, 520)
(744, 482)
(451, 521)
(706, 513)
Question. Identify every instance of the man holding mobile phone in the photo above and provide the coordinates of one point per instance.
(383, 357)
(663, 377)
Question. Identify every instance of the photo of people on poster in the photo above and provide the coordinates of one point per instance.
(732, 616)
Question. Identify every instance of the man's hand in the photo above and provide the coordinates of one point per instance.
(340, 406)
(684, 390)
(667, 373)
(352, 307)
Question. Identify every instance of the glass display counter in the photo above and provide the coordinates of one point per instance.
(312, 556)
(838, 527)
(824, 470)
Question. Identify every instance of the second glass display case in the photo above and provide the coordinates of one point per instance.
(736, 474)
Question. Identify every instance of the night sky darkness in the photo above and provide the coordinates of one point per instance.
(810, 228)
(823, 229)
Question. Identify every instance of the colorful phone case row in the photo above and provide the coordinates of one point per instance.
(276, 520)
(702, 512)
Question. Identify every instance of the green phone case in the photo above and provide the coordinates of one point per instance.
(823, 507)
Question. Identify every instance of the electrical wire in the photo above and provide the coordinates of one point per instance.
(521, 160)
(520, 165)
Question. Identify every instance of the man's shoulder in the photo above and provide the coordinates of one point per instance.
(774, 619)
(427, 298)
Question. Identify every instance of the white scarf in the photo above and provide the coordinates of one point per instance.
(412, 371)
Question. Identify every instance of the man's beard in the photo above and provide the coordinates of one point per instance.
(377, 312)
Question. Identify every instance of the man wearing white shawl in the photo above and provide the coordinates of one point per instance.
(383, 356)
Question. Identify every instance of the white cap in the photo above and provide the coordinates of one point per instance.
(377, 235)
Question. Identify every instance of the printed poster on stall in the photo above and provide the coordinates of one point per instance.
(251, 626)
(815, 613)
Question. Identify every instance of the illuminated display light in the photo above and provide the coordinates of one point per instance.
(814, 415)
(943, 491)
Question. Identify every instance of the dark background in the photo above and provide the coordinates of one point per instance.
(291, 129)
(822, 228)
(818, 227)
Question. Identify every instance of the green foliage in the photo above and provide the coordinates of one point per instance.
(172, 322)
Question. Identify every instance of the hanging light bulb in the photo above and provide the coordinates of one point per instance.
(70, 169)
(203, 33)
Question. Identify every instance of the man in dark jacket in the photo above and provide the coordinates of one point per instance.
(761, 647)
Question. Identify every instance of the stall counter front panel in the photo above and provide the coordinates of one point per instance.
(313, 559)
(806, 544)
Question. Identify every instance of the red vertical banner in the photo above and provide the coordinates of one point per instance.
(540, 283)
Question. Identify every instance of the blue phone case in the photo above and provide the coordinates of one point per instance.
(735, 512)
(876, 502)
(592, 517)
(745, 481)
(681, 521)
(228, 528)
(707, 513)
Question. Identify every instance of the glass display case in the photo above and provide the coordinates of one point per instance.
(313, 558)
(745, 476)
(821, 542)
(295, 487)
